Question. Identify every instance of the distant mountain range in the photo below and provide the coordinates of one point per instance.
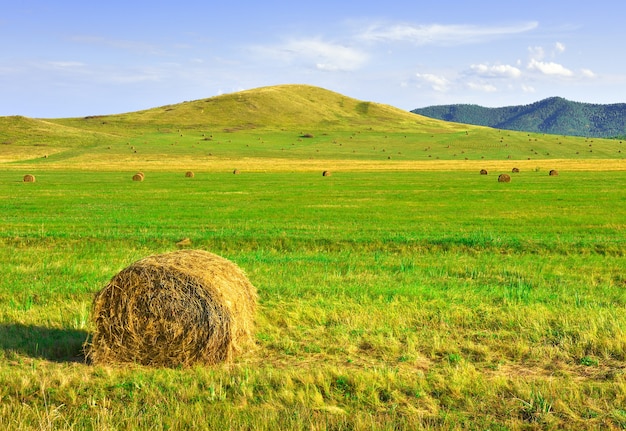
(554, 115)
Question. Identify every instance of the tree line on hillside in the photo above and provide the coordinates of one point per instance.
(554, 115)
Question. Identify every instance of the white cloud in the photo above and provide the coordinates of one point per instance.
(536, 52)
(528, 89)
(317, 53)
(438, 83)
(487, 88)
(588, 73)
(438, 34)
(501, 70)
(537, 63)
(549, 68)
(559, 47)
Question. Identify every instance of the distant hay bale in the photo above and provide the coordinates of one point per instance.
(504, 178)
(483, 172)
(189, 174)
(553, 173)
(28, 178)
(138, 176)
(515, 170)
(174, 309)
(184, 242)
(236, 172)
(326, 174)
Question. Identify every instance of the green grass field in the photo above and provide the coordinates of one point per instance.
(404, 293)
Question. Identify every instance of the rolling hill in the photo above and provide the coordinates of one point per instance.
(288, 124)
(554, 115)
(281, 107)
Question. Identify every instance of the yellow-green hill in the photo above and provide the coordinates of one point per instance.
(271, 108)
(268, 124)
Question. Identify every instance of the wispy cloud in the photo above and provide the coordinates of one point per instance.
(120, 44)
(317, 53)
(63, 65)
(588, 73)
(441, 34)
(436, 82)
(487, 88)
(559, 47)
(496, 71)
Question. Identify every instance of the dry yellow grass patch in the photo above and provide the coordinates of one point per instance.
(166, 162)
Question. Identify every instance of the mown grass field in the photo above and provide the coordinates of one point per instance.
(398, 293)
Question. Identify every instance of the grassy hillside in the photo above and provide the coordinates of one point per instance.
(283, 107)
(282, 125)
(23, 138)
(554, 115)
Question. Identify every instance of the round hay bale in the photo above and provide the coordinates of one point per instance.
(326, 174)
(173, 309)
(28, 178)
(483, 172)
(189, 174)
(138, 177)
(504, 178)
(515, 170)
(236, 172)
(553, 173)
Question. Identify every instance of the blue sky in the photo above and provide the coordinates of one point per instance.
(77, 58)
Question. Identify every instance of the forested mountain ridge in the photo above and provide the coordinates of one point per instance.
(554, 115)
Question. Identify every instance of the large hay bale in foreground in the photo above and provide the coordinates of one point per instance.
(174, 309)
(28, 178)
(504, 178)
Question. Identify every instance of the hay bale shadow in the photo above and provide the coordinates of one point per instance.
(40, 342)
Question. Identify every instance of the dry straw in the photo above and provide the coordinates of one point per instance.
(139, 176)
(326, 174)
(504, 178)
(515, 170)
(553, 173)
(189, 174)
(173, 309)
(28, 178)
(483, 172)
(236, 172)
